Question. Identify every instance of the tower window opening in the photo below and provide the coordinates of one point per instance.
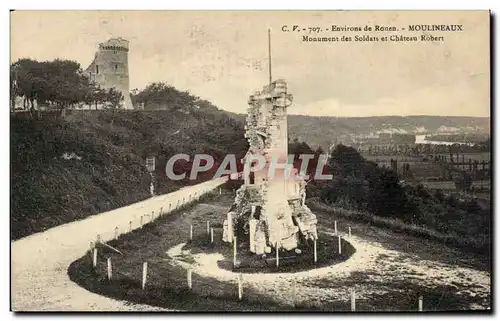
(115, 52)
(116, 67)
(252, 174)
(252, 178)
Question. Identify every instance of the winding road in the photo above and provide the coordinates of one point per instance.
(39, 262)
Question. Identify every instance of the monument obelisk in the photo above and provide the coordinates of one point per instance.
(269, 210)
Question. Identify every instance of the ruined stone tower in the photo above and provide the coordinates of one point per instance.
(269, 211)
(110, 68)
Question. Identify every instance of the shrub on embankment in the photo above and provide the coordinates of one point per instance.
(363, 191)
(474, 243)
(65, 169)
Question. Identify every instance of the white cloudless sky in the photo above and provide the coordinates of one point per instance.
(222, 56)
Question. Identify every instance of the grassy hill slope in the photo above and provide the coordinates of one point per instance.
(93, 161)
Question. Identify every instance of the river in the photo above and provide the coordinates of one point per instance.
(420, 139)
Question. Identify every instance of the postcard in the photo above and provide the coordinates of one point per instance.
(229, 161)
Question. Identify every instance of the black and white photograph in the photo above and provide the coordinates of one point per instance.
(250, 161)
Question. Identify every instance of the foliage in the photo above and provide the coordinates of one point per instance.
(360, 185)
(60, 83)
(463, 182)
(158, 94)
(453, 237)
(108, 167)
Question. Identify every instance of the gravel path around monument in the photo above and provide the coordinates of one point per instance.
(388, 271)
(371, 263)
(39, 262)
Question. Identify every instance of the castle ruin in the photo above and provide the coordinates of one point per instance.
(110, 68)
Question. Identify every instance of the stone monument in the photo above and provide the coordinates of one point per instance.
(269, 211)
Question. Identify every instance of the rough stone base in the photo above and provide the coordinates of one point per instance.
(285, 224)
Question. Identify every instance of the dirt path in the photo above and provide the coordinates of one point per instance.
(40, 261)
(371, 262)
(388, 271)
(376, 271)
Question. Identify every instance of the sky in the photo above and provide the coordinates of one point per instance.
(222, 56)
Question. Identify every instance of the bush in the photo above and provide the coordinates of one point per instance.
(104, 161)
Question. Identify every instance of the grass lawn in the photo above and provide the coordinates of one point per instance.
(388, 288)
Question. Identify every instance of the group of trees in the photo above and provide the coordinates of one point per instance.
(49, 189)
(361, 185)
(159, 95)
(59, 84)
(364, 186)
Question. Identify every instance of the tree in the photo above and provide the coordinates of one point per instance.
(26, 78)
(301, 148)
(205, 104)
(112, 100)
(463, 182)
(388, 198)
(14, 88)
(160, 95)
(348, 159)
(61, 83)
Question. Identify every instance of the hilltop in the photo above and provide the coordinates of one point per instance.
(322, 131)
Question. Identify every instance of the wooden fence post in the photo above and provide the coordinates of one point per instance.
(91, 252)
(252, 227)
(349, 232)
(315, 252)
(220, 191)
(190, 278)
(142, 218)
(335, 227)
(235, 250)
(152, 216)
(94, 258)
(110, 272)
(294, 292)
(277, 254)
(161, 211)
(208, 227)
(116, 232)
(191, 232)
(420, 303)
(130, 226)
(353, 300)
(340, 245)
(240, 286)
(144, 274)
(98, 239)
(211, 235)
